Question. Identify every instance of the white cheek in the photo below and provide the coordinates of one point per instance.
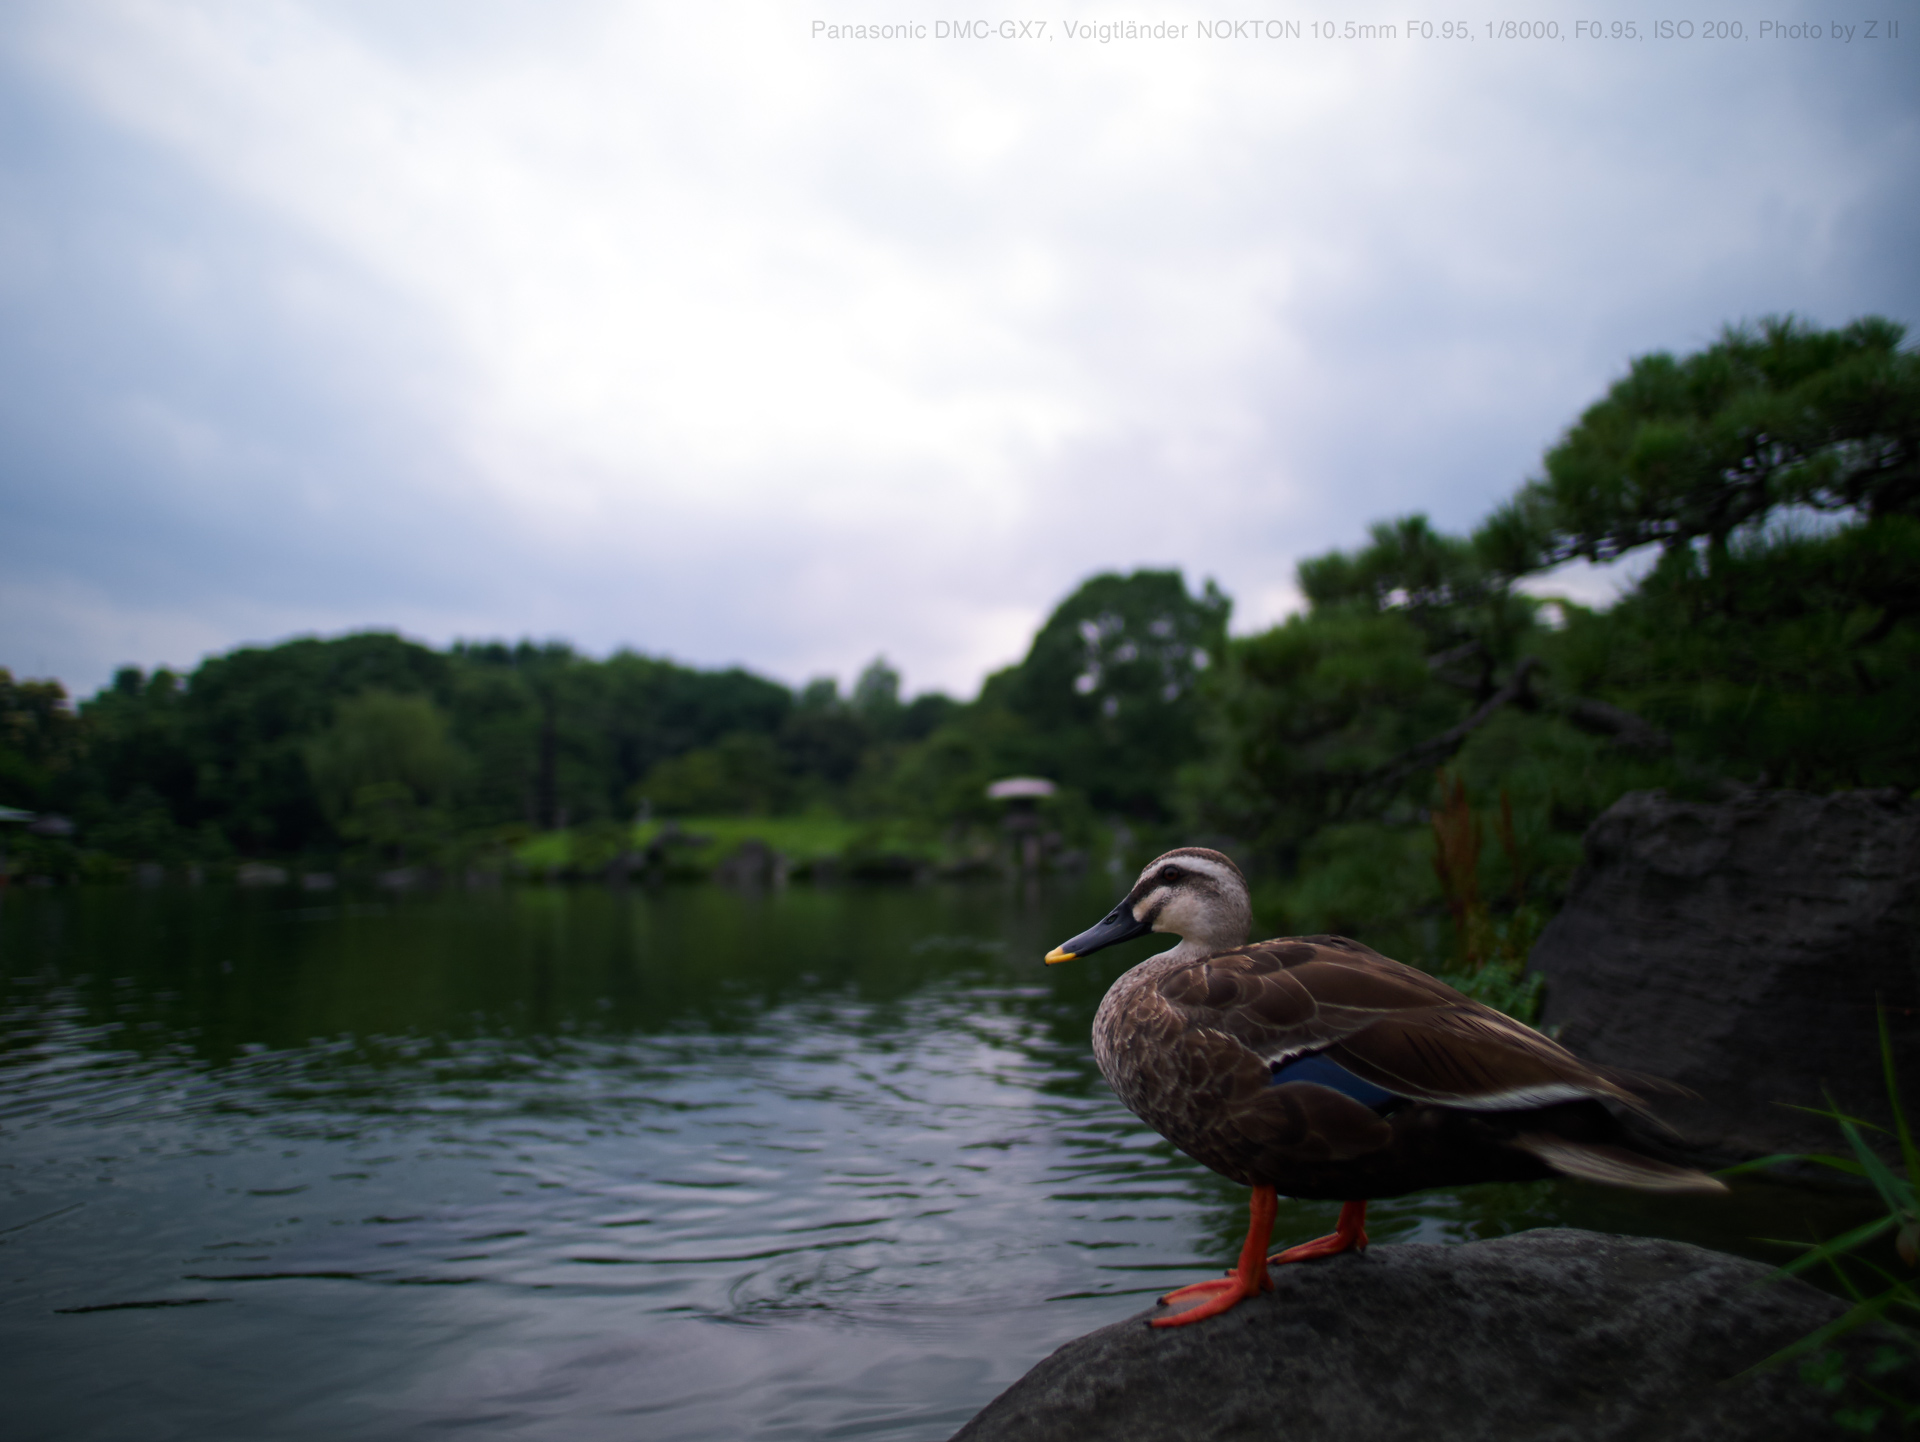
(1173, 914)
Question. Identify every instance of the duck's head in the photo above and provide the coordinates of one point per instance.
(1193, 893)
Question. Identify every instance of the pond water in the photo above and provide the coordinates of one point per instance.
(583, 1164)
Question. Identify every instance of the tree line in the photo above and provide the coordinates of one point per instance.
(1424, 692)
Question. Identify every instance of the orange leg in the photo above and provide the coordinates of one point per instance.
(1249, 1279)
(1348, 1235)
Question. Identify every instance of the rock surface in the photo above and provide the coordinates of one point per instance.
(1546, 1335)
(1738, 949)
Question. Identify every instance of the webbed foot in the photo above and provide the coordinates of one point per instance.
(1249, 1279)
(1220, 1293)
(1349, 1235)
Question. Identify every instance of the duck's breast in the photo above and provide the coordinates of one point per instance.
(1178, 1077)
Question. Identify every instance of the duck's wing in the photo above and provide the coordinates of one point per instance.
(1390, 1025)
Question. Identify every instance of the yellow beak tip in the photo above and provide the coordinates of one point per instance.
(1057, 955)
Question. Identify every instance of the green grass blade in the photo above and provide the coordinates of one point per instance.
(1900, 1299)
(1834, 1114)
(1900, 1405)
(1825, 1251)
(1907, 1149)
(1903, 1295)
(1855, 1317)
(1893, 1190)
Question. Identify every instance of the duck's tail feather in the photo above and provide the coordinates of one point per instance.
(1614, 1166)
(1639, 1081)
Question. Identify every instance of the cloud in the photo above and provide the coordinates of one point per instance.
(680, 329)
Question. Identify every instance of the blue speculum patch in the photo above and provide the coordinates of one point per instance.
(1326, 1072)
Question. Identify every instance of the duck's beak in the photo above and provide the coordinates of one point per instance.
(1118, 925)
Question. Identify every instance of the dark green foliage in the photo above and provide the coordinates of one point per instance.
(1441, 584)
(740, 775)
(1107, 704)
(1310, 711)
(1777, 641)
(374, 747)
(1794, 662)
(568, 738)
(39, 741)
(245, 720)
(944, 777)
(379, 738)
(876, 697)
(136, 741)
(1109, 692)
(924, 715)
(823, 737)
(385, 770)
(1776, 415)
(368, 742)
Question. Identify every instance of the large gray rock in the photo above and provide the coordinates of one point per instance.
(1544, 1335)
(1738, 949)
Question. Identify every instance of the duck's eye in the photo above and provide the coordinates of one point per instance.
(1170, 874)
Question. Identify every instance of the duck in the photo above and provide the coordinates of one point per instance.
(1316, 1067)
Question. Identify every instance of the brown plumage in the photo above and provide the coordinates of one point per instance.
(1316, 1067)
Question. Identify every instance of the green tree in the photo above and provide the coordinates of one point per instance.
(1779, 414)
(40, 741)
(1776, 640)
(248, 715)
(199, 765)
(876, 698)
(560, 735)
(1793, 661)
(1440, 584)
(1109, 691)
(1779, 472)
(385, 769)
(740, 775)
(1311, 718)
(823, 738)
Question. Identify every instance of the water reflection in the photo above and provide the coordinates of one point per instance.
(692, 1164)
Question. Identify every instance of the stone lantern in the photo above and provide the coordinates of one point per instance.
(1022, 795)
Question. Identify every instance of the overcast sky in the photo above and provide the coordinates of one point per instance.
(685, 329)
